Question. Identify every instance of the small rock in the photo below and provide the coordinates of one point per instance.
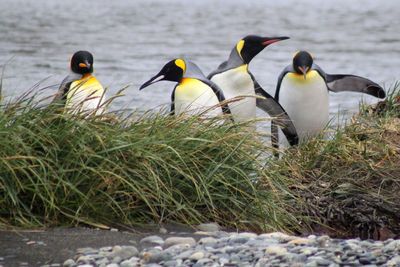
(279, 236)
(114, 230)
(85, 259)
(207, 240)
(152, 240)
(159, 256)
(171, 263)
(208, 227)
(205, 233)
(299, 241)
(124, 252)
(112, 265)
(394, 262)
(69, 262)
(132, 262)
(163, 231)
(248, 235)
(277, 250)
(197, 255)
(116, 259)
(203, 262)
(180, 240)
(106, 249)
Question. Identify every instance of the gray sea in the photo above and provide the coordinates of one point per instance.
(132, 39)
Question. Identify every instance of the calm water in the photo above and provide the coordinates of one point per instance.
(131, 40)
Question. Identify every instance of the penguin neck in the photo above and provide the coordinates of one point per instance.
(235, 60)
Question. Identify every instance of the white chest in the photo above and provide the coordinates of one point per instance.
(193, 97)
(306, 101)
(235, 83)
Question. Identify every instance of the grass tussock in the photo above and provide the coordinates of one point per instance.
(60, 169)
(349, 186)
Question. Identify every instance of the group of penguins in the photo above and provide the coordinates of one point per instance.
(300, 106)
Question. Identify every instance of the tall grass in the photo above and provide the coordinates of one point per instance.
(61, 169)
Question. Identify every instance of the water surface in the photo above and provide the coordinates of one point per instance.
(131, 41)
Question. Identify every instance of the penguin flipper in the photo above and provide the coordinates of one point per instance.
(281, 118)
(220, 95)
(172, 111)
(353, 83)
(65, 85)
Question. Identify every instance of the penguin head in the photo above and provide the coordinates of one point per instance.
(82, 62)
(251, 45)
(302, 62)
(172, 71)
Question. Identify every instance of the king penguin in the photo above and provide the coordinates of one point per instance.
(194, 93)
(80, 91)
(302, 90)
(235, 80)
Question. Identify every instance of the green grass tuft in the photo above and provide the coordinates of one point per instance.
(59, 169)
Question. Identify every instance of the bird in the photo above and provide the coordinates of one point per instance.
(193, 93)
(80, 92)
(303, 91)
(236, 81)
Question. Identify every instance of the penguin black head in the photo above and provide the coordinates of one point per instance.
(172, 71)
(302, 62)
(82, 62)
(251, 45)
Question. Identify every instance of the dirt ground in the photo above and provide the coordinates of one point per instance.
(37, 247)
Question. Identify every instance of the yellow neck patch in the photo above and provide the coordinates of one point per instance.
(239, 48)
(311, 76)
(181, 64)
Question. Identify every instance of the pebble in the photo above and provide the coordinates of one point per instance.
(152, 240)
(180, 240)
(208, 227)
(218, 248)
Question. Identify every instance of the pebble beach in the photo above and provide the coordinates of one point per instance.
(211, 247)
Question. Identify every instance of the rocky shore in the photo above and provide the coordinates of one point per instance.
(211, 247)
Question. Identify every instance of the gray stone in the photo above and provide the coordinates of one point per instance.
(85, 259)
(208, 227)
(160, 256)
(395, 261)
(323, 262)
(69, 262)
(281, 237)
(184, 255)
(112, 265)
(152, 240)
(152, 265)
(163, 231)
(170, 263)
(116, 259)
(197, 255)
(207, 240)
(180, 240)
(277, 250)
(104, 261)
(132, 262)
(203, 262)
(238, 239)
(124, 252)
